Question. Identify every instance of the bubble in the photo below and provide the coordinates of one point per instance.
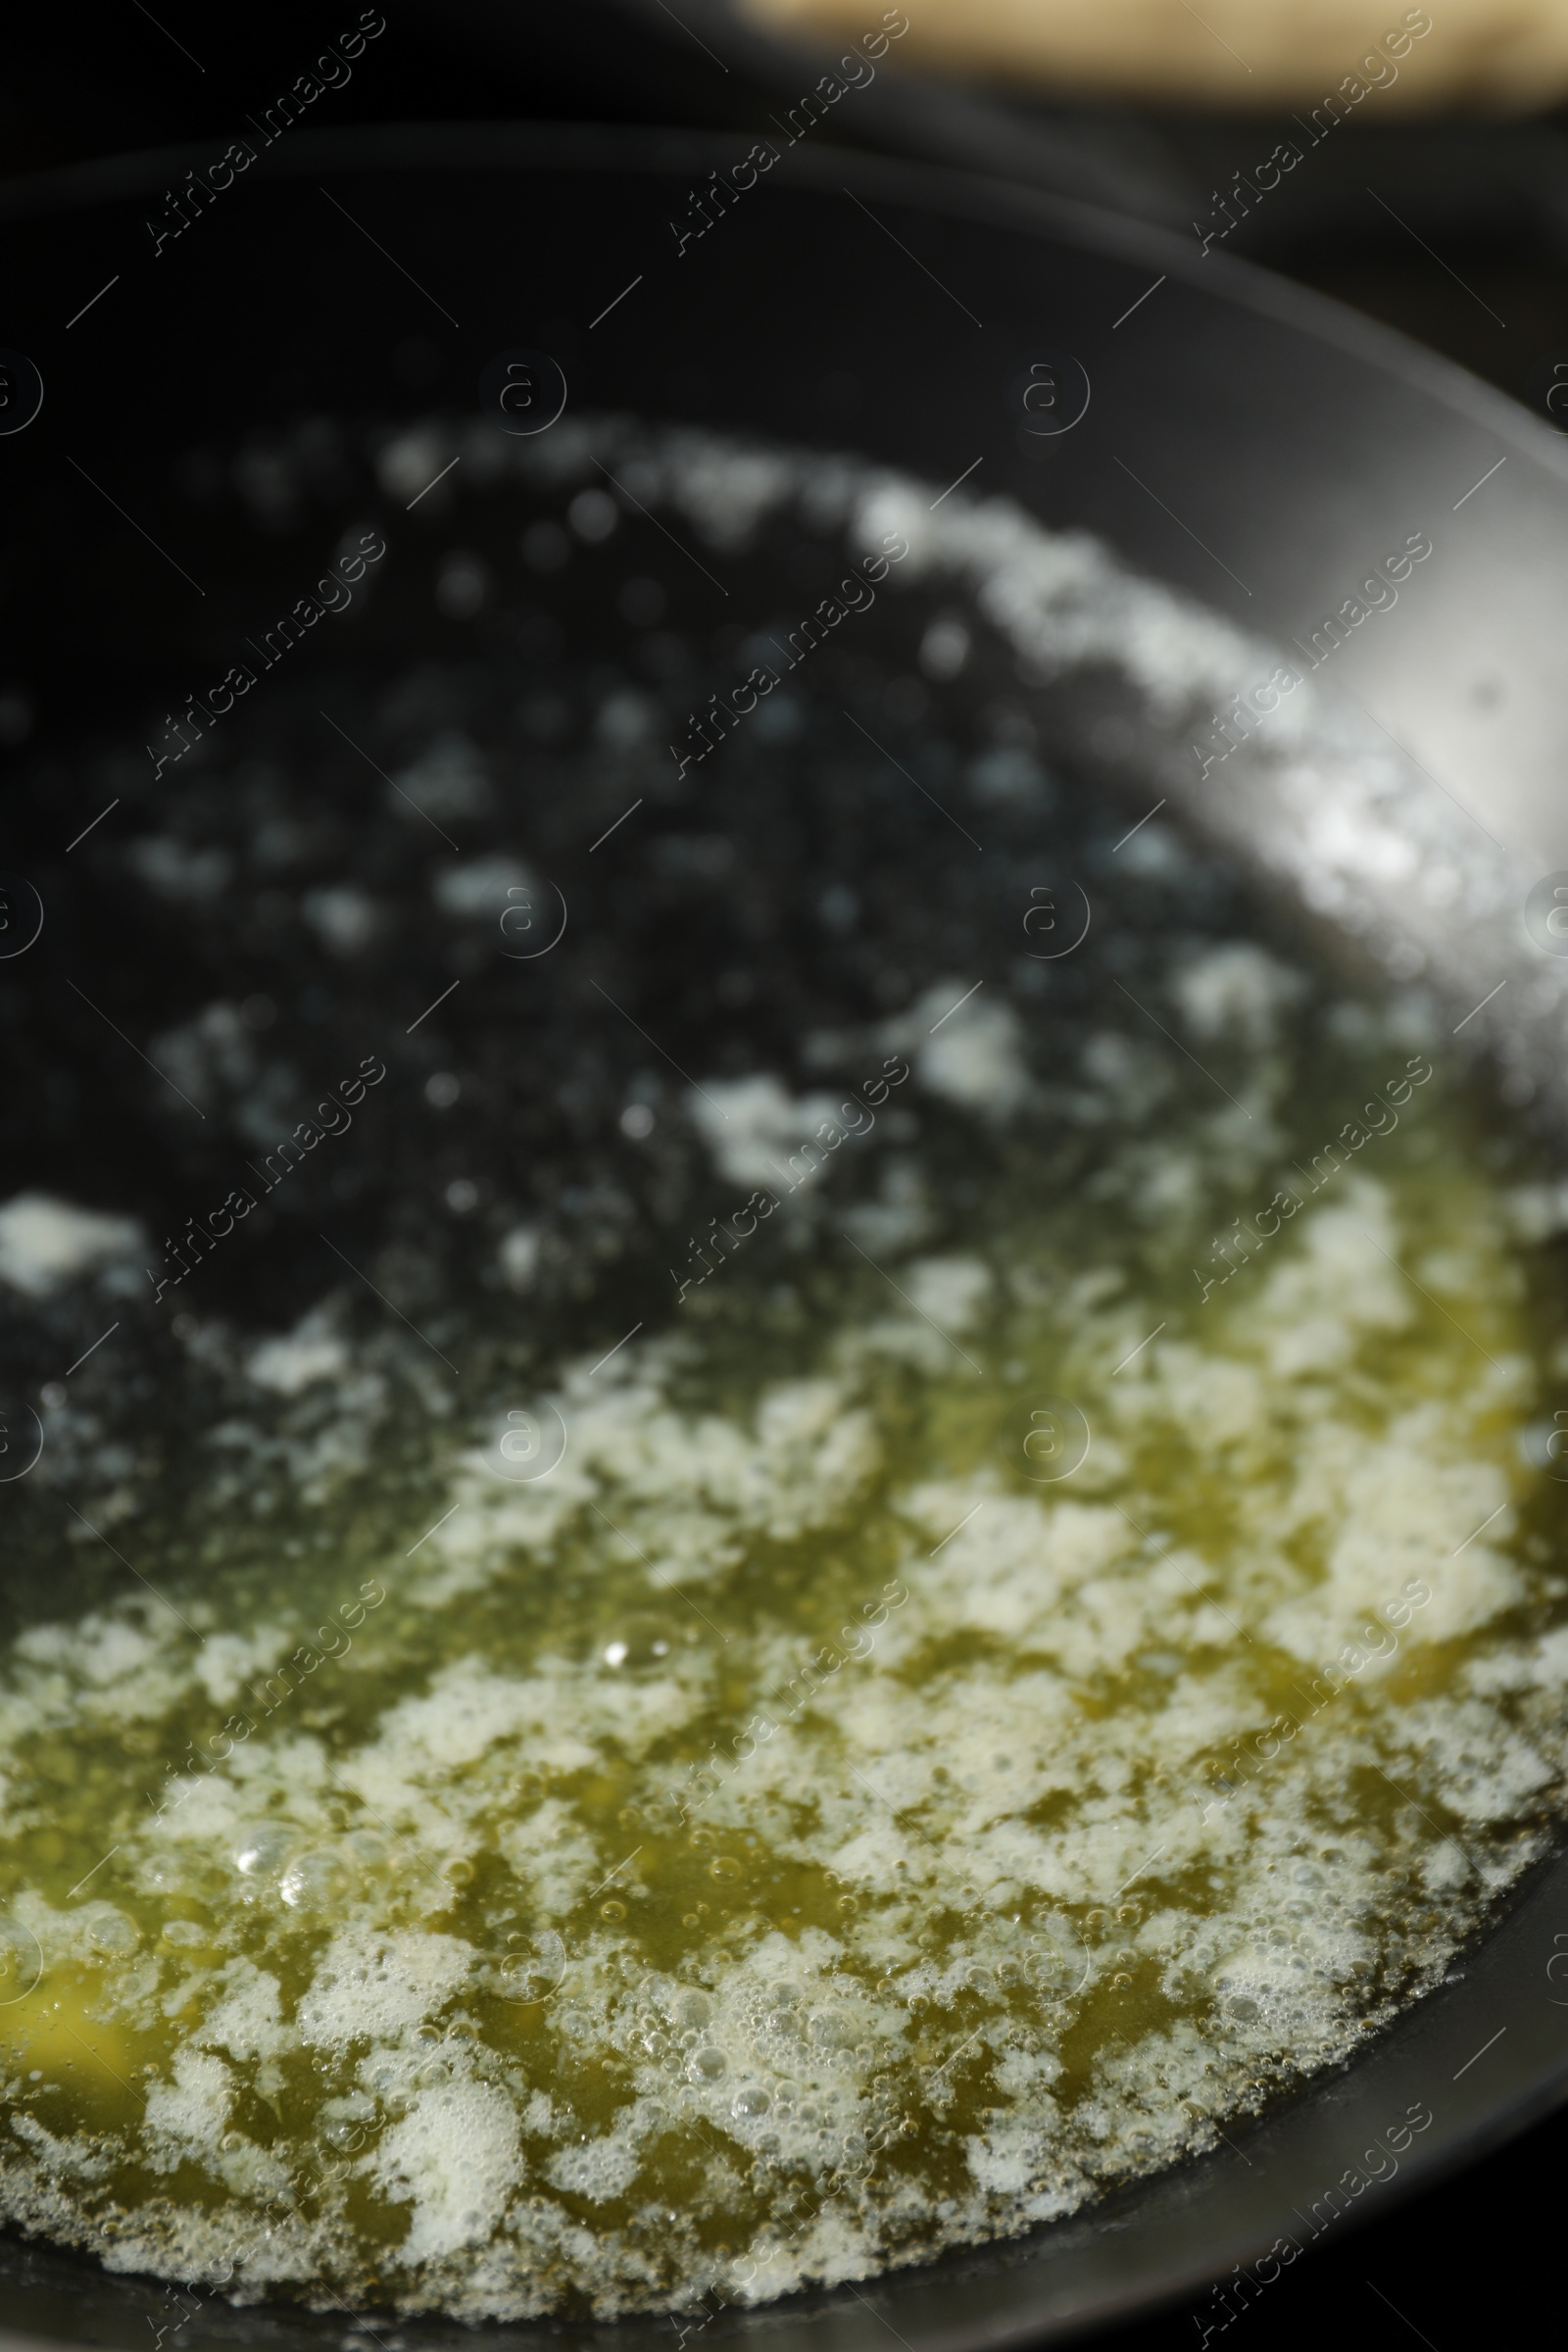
(171, 1874)
(691, 2008)
(262, 1849)
(344, 2133)
(20, 1960)
(638, 1645)
(533, 1970)
(945, 647)
(186, 1934)
(113, 1935)
(319, 1881)
(593, 514)
(705, 2065)
(1059, 1959)
(462, 584)
(347, 2123)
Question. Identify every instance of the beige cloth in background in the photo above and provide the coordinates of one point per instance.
(1496, 56)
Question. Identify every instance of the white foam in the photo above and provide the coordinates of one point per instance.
(296, 1359)
(949, 1289)
(344, 919)
(1237, 991)
(968, 1048)
(186, 2117)
(454, 2157)
(754, 1125)
(46, 1243)
(478, 887)
(374, 1985)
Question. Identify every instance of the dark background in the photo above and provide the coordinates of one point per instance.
(1475, 264)
(1467, 251)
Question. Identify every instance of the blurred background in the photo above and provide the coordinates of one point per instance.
(1430, 191)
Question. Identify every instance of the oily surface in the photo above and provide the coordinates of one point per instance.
(682, 1668)
(801, 1830)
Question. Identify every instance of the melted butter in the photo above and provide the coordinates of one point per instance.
(825, 1818)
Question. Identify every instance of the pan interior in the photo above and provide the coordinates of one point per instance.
(819, 1513)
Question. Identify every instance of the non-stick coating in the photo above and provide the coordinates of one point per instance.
(1244, 442)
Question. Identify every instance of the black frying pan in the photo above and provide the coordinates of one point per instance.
(1243, 442)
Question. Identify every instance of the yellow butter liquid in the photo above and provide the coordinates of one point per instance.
(806, 1830)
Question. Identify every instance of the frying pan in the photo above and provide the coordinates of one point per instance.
(1247, 444)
